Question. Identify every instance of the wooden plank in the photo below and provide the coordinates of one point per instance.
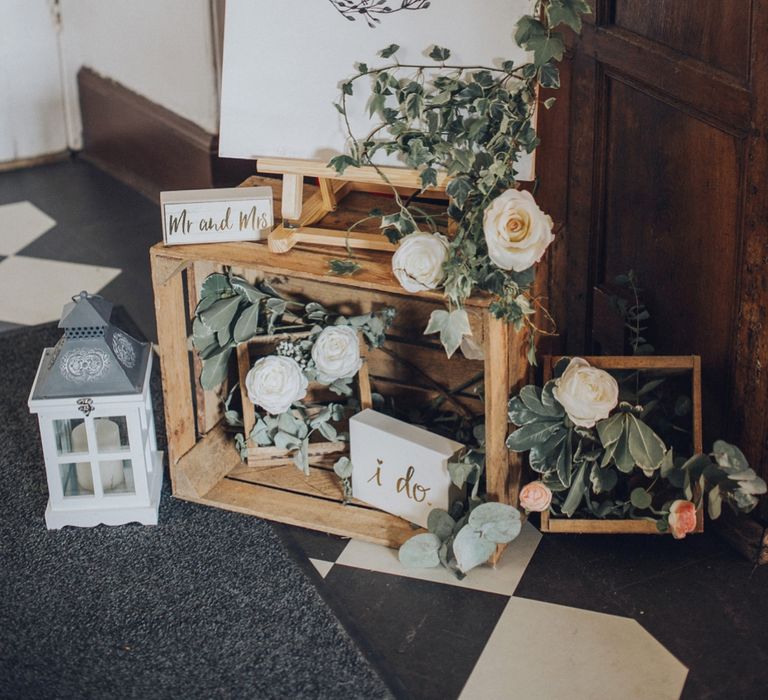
(398, 177)
(328, 194)
(365, 524)
(208, 403)
(205, 464)
(320, 483)
(498, 477)
(594, 527)
(243, 367)
(174, 354)
(282, 240)
(269, 456)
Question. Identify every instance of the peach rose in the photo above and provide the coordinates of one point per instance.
(535, 497)
(682, 518)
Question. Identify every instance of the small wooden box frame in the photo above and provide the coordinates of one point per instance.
(690, 363)
(259, 456)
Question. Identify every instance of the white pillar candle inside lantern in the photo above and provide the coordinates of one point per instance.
(107, 437)
(91, 395)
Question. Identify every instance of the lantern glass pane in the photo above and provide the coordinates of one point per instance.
(70, 436)
(117, 477)
(112, 434)
(76, 479)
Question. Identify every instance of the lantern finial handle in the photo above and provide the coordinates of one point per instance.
(82, 295)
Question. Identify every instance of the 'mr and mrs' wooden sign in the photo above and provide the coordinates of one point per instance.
(216, 216)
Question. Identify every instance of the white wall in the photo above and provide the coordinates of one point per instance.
(32, 120)
(161, 49)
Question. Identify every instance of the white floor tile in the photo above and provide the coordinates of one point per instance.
(501, 579)
(323, 567)
(33, 290)
(20, 224)
(540, 651)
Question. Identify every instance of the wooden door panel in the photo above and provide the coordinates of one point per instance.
(694, 28)
(673, 221)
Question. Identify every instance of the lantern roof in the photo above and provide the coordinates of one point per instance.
(86, 311)
(94, 357)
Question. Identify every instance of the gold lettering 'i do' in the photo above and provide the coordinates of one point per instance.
(412, 489)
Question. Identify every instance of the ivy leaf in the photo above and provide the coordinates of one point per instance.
(567, 12)
(549, 76)
(459, 189)
(391, 50)
(452, 326)
(428, 178)
(420, 551)
(343, 267)
(438, 53)
(342, 162)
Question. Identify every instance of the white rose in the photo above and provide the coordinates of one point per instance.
(516, 230)
(587, 394)
(336, 353)
(275, 382)
(419, 259)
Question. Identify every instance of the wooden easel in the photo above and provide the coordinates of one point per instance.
(299, 214)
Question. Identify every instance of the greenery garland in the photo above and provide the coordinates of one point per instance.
(470, 123)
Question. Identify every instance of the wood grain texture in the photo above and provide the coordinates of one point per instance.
(174, 355)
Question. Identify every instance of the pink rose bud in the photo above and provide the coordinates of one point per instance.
(535, 497)
(682, 518)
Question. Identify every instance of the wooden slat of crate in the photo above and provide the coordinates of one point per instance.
(199, 470)
(649, 362)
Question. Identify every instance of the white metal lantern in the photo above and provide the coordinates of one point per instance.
(91, 397)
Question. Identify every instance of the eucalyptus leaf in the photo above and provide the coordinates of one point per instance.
(471, 549)
(498, 522)
(420, 551)
(640, 498)
(440, 523)
(343, 468)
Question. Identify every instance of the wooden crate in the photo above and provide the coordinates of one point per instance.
(206, 468)
(684, 363)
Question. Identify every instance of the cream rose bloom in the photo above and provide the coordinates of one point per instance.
(419, 259)
(535, 497)
(516, 230)
(275, 382)
(336, 353)
(587, 394)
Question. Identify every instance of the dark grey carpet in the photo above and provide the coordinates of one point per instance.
(205, 605)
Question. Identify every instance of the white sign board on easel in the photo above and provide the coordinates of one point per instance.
(284, 61)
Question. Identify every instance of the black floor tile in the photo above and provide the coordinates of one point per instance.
(310, 543)
(428, 635)
(99, 221)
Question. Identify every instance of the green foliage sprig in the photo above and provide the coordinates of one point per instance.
(470, 123)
